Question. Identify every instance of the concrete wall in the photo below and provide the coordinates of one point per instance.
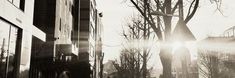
(55, 18)
(63, 21)
(23, 19)
(44, 19)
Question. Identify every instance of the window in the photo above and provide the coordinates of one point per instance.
(8, 38)
(22, 4)
(60, 25)
(18, 3)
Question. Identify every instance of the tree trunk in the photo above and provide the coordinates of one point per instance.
(166, 58)
(165, 51)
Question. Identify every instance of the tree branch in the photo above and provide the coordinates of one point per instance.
(175, 7)
(155, 29)
(189, 17)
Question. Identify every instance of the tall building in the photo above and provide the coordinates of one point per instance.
(90, 47)
(47, 38)
(16, 34)
(59, 19)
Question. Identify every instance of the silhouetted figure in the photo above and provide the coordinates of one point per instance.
(64, 74)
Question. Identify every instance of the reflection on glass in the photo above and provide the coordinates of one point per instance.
(4, 37)
(11, 54)
(8, 36)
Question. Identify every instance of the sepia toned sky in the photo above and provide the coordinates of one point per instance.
(114, 14)
(206, 22)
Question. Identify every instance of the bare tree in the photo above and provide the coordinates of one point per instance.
(164, 7)
(228, 69)
(208, 61)
(135, 53)
(165, 10)
(128, 66)
(229, 64)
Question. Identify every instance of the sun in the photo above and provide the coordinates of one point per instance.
(176, 45)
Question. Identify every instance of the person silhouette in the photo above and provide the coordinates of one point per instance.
(64, 74)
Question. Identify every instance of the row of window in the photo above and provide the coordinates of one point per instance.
(18, 3)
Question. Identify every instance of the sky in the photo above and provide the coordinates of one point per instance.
(114, 14)
(206, 22)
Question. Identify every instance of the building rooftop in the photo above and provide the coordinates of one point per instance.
(218, 44)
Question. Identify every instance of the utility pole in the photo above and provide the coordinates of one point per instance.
(101, 65)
